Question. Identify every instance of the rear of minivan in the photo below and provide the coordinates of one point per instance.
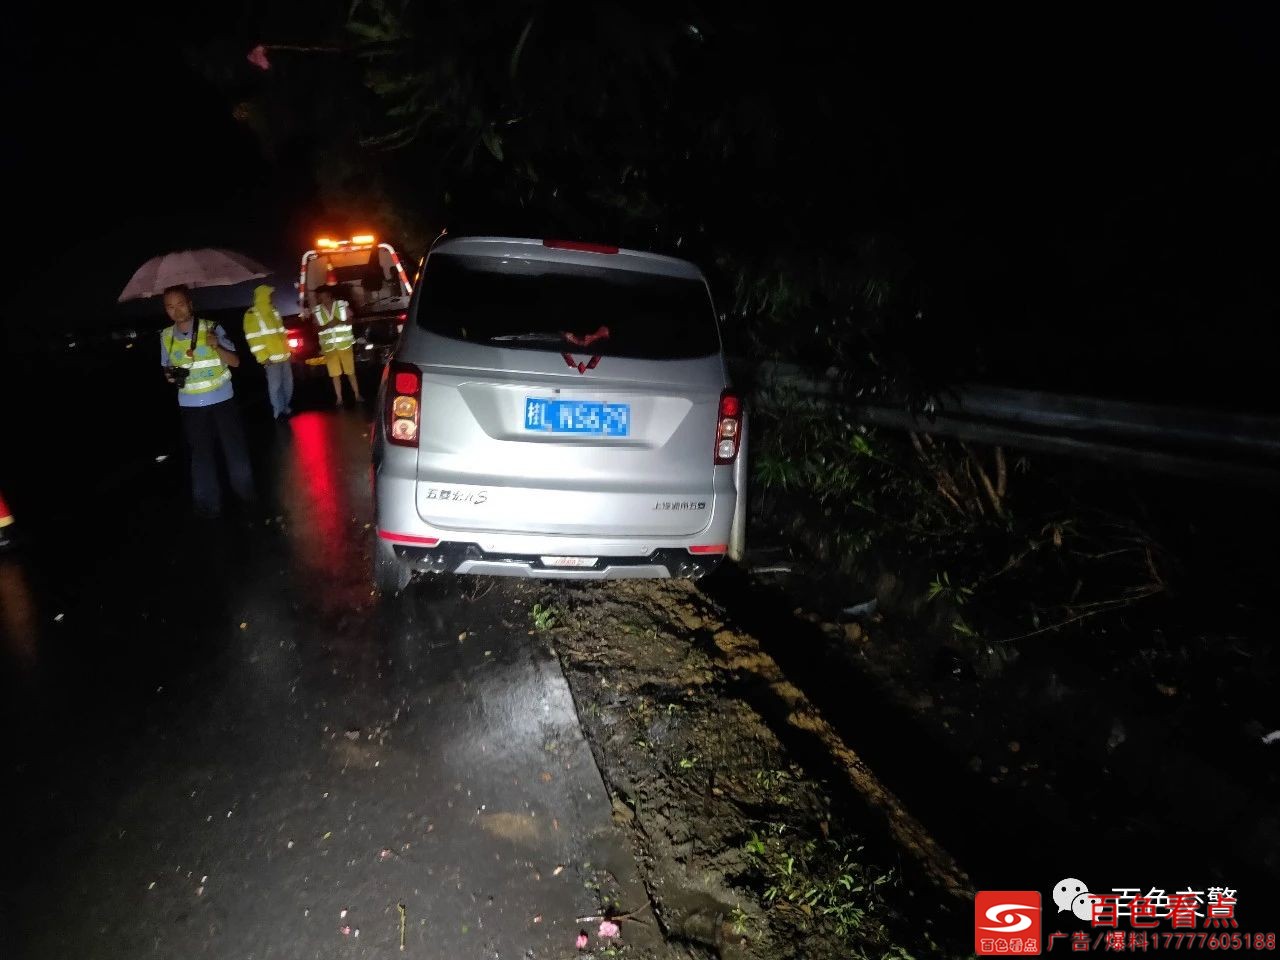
(557, 409)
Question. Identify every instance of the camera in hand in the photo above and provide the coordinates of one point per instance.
(179, 375)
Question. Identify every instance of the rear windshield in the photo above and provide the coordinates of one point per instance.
(371, 269)
(534, 305)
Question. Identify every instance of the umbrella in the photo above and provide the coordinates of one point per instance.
(207, 267)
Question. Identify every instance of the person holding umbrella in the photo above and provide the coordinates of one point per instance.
(197, 356)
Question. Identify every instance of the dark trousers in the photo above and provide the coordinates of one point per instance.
(207, 429)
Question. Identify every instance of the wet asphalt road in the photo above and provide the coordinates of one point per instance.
(219, 739)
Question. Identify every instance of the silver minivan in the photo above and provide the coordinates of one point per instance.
(557, 409)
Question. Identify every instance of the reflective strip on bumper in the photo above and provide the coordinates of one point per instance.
(408, 538)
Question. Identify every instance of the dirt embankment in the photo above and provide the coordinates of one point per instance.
(759, 832)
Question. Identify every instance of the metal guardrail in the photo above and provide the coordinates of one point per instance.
(1186, 441)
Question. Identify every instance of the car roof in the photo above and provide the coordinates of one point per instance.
(638, 261)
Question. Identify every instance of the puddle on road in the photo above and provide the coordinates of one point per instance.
(518, 828)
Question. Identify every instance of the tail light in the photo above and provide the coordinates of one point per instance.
(729, 427)
(295, 342)
(404, 393)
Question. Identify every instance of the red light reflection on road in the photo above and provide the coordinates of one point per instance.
(316, 493)
(18, 616)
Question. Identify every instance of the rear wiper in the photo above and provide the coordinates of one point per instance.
(535, 337)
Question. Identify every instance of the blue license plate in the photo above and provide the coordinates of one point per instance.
(588, 417)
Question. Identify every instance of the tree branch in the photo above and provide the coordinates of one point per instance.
(1092, 610)
(940, 475)
(973, 484)
(987, 486)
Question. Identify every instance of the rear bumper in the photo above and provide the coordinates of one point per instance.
(514, 553)
(470, 559)
(399, 522)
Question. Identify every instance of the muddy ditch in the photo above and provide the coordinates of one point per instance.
(758, 832)
(1085, 756)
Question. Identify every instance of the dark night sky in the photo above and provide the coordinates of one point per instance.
(1099, 164)
(151, 157)
(1125, 173)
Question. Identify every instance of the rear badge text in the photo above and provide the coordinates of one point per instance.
(476, 497)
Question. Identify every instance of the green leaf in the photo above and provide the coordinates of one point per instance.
(370, 33)
(515, 54)
(493, 142)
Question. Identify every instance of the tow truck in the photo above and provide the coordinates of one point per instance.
(371, 278)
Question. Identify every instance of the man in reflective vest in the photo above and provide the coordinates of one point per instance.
(197, 356)
(333, 317)
(264, 330)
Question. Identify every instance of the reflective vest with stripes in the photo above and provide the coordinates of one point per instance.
(266, 336)
(208, 372)
(335, 327)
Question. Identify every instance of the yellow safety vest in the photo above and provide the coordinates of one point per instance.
(335, 327)
(266, 336)
(208, 372)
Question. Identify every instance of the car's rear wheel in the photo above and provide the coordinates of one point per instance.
(390, 574)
